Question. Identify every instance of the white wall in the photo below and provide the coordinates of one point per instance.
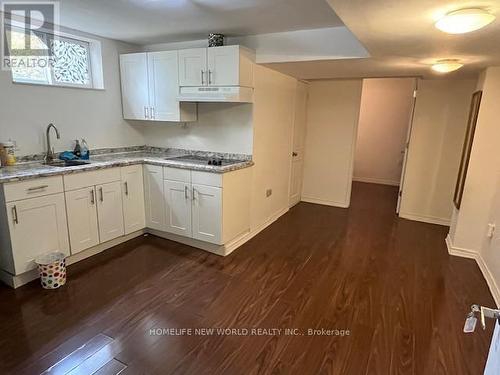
(272, 130)
(436, 142)
(480, 202)
(95, 115)
(299, 45)
(221, 127)
(383, 124)
(333, 112)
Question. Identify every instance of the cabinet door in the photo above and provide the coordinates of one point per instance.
(82, 219)
(193, 67)
(164, 85)
(207, 213)
(178, 207)
(134, 218)
(134, 81)
(224, 66)
(37, 226)
(110, 211)
(153, 197)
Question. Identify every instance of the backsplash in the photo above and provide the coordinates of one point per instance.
(149, 149)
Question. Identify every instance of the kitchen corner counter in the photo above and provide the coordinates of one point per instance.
(26, 171)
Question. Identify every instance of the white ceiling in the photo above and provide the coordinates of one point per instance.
(158, 21)
(402, 40)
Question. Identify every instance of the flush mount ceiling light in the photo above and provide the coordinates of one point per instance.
(446, 66)
(464, 21)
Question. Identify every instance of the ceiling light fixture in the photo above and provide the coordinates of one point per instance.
(464, 21)
(446, 66)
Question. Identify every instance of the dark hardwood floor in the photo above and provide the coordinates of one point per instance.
(389, 282)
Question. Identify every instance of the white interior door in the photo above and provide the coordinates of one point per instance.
(134, 81)
(110, 211)
(298, 142)
(493, 363)
(224, 66)
(37, 226)
(134, 217)
(193, 67)
(82, 219)
(153, 197)
(207, 213)
(178, 207)
(407, 145)
(164, 85)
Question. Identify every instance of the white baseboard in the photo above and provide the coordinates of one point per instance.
(222, 250)
(15, 281)
(379, 181)
(324, 202)
(425, 219)
(471, 254)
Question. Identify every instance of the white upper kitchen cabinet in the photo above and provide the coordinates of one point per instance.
(37, 226)
(230, 66)
(135, 90)
(110, 211)
(81, 210)
(207, 213)
(216, 66)
(134, 218)
(150, 88)
(193, 67)
(178, 207)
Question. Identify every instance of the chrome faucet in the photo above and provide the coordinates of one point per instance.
(49, 157)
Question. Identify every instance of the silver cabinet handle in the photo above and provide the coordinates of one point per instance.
(194, 194)
(101, 195)
(202, 77)
(34, 188)
(152, 112)
(92, 197)
(185, 192)
(209, 77)
(14, 215)
(126, 188)
(146, 112)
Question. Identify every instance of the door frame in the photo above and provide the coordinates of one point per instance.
(407, 146)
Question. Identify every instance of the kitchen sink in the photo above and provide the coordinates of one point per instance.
(67, 163)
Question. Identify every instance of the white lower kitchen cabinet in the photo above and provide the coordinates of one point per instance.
(178, 207)
(82, 219)
(153, 197)
(207, 213)
(134, 217)
(110, 211)
(209, 207)
(36, 226)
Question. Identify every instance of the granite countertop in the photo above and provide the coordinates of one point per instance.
(29, 170)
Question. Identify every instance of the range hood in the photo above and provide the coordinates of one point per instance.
(222, 94)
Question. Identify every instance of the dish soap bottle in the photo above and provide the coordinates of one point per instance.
(85, 150)
(10, 153)
(77, 150)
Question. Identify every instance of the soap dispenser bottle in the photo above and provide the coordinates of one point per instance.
(77, 150)
(85, 150)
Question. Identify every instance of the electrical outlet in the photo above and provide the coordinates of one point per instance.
(269, 192)
(491, 230)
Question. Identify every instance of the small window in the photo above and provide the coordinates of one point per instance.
(66, 64)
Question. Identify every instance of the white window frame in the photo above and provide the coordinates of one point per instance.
(94, 60)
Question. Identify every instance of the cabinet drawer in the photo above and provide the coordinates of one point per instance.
(38, 187)
(80, 180)
(177, 174)
(206, 178)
